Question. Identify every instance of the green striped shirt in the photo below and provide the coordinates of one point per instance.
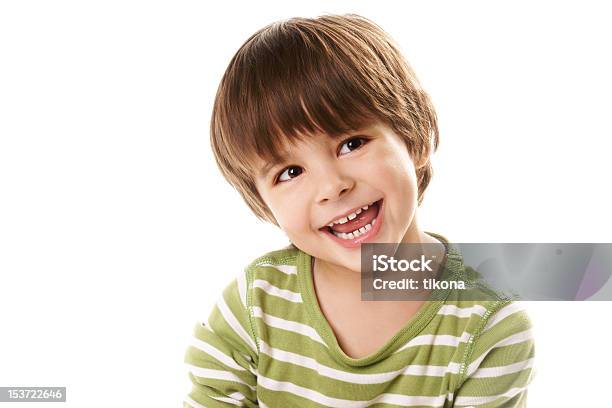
(266, 343)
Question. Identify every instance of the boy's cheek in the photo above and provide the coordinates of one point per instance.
(291, 219)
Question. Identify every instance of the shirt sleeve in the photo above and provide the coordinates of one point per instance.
(222, 357)
(500, 366)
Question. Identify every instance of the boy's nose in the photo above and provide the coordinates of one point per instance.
(334, 186)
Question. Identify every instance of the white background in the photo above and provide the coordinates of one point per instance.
(117, 233)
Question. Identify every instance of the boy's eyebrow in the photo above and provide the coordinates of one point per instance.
(265, 169)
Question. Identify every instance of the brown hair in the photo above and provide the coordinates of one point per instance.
(331, 74)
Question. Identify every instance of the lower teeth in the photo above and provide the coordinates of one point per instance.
(354, 234)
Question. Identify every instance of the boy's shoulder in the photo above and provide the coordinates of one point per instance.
(271, 271)
(479, 293)
(486, 310)
(286, 256)
(278, 268)
(481, 306)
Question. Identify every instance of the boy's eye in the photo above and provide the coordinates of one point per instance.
(289, 173)
(347, 146)
(351, 144)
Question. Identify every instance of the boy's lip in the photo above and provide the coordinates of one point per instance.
(356, 242)
(346, 213)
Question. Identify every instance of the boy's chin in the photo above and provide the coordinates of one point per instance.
(344, 262)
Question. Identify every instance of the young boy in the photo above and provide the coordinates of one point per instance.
(323, 128)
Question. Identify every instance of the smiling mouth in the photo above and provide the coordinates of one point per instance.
(356, 224)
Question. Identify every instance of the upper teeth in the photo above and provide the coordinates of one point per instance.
(350, 216)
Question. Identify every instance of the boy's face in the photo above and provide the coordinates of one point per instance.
(322, 181)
